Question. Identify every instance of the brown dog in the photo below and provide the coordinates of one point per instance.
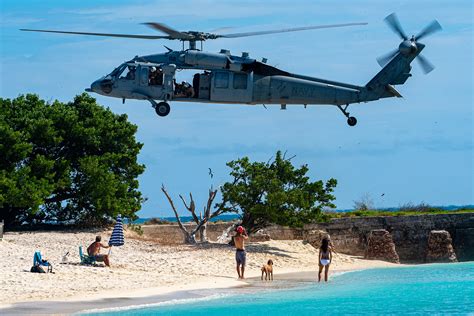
(268, 270)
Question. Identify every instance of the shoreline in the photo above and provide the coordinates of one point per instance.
(109, 302)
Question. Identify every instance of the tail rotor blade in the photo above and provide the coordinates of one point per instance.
(394, 24)
(431, 28)
(425, 64)
(384, 59)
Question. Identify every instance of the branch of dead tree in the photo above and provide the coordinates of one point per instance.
(174, 208)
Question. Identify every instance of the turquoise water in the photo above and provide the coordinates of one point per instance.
(421, 290)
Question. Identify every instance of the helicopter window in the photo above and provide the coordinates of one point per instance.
(130, 73)
(118, 71)
(240, 81)
(221, 80)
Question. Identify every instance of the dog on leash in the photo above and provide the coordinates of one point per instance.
(267, 269)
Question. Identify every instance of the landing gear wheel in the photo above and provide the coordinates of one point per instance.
(352, 121)
(162, 109)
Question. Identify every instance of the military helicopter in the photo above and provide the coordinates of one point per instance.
(225, 78)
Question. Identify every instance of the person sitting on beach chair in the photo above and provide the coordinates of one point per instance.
(94, 251)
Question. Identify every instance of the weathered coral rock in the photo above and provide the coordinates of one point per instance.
(260, 235)
(380, 246)
(314, 237)
(440, 247)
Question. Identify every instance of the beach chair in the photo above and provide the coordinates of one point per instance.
(38, 262)
(86, 259)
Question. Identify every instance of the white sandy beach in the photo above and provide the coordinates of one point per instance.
(142, 268)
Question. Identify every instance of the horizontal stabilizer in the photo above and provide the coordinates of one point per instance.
(393, 91)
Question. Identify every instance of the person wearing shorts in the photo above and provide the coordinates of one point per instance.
(94, 251)
(240, 255)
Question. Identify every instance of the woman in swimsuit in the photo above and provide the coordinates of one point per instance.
(325, 259)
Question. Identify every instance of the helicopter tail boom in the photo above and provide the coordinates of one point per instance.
(396, 72)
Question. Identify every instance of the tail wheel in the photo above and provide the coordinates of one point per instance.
(162, 109)
(352, 121)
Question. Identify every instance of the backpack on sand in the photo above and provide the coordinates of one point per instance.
(37, 269)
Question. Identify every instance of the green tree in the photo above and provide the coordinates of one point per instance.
(274, 192)
(72, 163)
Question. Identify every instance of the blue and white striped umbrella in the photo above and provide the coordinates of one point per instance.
(117, 234)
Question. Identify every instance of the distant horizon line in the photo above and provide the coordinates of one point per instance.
(450, 207)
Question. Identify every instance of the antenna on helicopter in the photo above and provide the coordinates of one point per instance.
(194, 36)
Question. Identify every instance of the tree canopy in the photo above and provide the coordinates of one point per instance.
(73, 163)
(274, 192)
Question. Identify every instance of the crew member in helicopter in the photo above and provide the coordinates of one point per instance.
(156, 76)
(183, 89)
(131, 73)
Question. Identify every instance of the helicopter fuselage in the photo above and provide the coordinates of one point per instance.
(221, 78)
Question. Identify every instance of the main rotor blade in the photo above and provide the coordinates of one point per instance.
(384, 59)
(431, 28)
(295, 29)
(393, 22)
(222, 29)
(166, 29)
(425, 64)
(100, 34)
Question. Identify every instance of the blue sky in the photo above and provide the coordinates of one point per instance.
(412, 150)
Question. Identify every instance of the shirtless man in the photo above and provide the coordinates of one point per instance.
(94, 251)
(240, 256)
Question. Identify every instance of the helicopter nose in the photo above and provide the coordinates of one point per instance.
(95, 86)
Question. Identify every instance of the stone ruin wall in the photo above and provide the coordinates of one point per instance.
(171, 233)
(349, 235)
(409, 233)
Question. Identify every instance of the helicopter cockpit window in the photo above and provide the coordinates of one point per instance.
(240, 81)
(130, 73)
(221, 80)
(118, 71)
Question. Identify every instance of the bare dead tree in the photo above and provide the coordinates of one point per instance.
(201, 221)
(207, 213)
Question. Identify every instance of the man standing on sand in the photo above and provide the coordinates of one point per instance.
(240, 256)
(94, 251)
